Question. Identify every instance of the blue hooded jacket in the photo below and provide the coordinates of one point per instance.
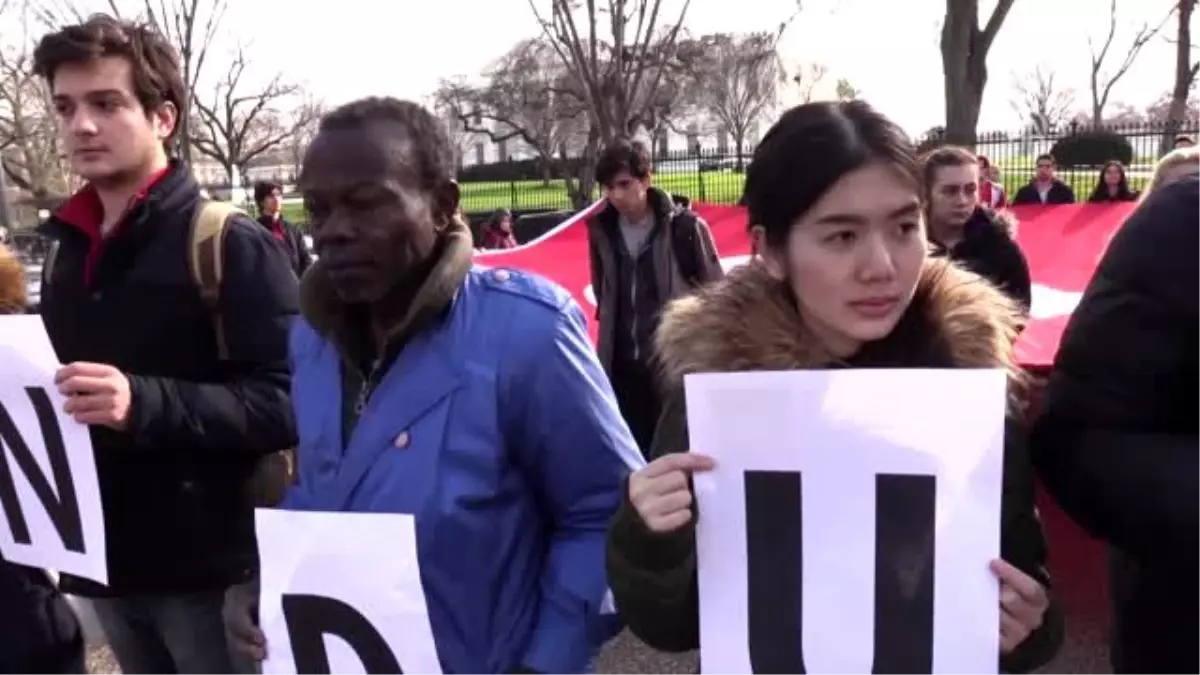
(497, 429)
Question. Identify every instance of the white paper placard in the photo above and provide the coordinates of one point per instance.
(909, 462)
(351, 586)
(49, 493)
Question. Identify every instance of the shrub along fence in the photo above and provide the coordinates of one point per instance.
(716, 174)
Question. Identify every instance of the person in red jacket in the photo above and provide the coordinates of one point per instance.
(498, 233)
(991, 190)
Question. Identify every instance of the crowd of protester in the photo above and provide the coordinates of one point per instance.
(544, 472)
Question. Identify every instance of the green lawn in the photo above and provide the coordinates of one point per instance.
(721, 187)
(482, 197)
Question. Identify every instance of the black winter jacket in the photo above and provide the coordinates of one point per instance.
(175, 485)
(988, 249)
(1117, 441)
(292, 241)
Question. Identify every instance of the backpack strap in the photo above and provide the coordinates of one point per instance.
(206, 260)
(48, 264)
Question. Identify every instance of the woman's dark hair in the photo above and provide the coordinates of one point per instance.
(497, 216)
(623, 155)
(153, 62)
(1100, 192)
(811, 148)
(263, 189)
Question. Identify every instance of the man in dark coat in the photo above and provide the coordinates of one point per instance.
(645, 250)
(182, 399)
(268, 196)
(1045, 188)
(1116, 443)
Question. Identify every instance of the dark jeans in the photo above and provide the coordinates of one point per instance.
(169, 633)
(637, 388)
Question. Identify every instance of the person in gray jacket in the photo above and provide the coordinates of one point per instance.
(645, 250)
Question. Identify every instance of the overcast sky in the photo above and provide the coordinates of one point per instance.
(888, 49)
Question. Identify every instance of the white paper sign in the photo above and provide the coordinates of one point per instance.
(341, 593)
(818, 472)
(49, 494)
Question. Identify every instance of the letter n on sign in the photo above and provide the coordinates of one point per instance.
(48, 487)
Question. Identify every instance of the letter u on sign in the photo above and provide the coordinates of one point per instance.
(905, 508)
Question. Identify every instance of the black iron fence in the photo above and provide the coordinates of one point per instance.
(1081, 152)
(716, 174)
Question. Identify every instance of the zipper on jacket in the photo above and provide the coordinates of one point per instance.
(633, 308)
(369, 384)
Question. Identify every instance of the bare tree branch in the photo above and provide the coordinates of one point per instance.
(736, 81)
(1102, 84)
(623, 74)
(29, 147)
(808, 76)
(1185, 74)
(526, 95)
(238, 124)
(1041, 102)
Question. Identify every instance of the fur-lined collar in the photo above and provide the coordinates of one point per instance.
(12, 283)
(334, 319)
(749, 321)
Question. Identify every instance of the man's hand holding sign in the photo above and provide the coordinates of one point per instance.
(49, 491)
(96, 394)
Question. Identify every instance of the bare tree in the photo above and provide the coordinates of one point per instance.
(619, 71)
(236, 124)
(307, 117)
(29, 150)
(526, 95)
(1185, 73)
(807, 77)
(736, 81)
(1102, 82)
(845, 90)
(1040, 101)
(964, 64)
(1159, 112)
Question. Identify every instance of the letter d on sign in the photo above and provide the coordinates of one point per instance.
(310, 618)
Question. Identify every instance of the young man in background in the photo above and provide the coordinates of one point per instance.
(645, 250)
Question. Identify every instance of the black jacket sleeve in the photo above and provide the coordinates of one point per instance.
(1017, 281)
(1026, 195)
(1023, 544)
(1116, 443)
(246, 408)
(1062, 193)
(303, 255)
(653, 576)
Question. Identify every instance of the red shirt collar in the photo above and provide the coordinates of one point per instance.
(84, 210)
